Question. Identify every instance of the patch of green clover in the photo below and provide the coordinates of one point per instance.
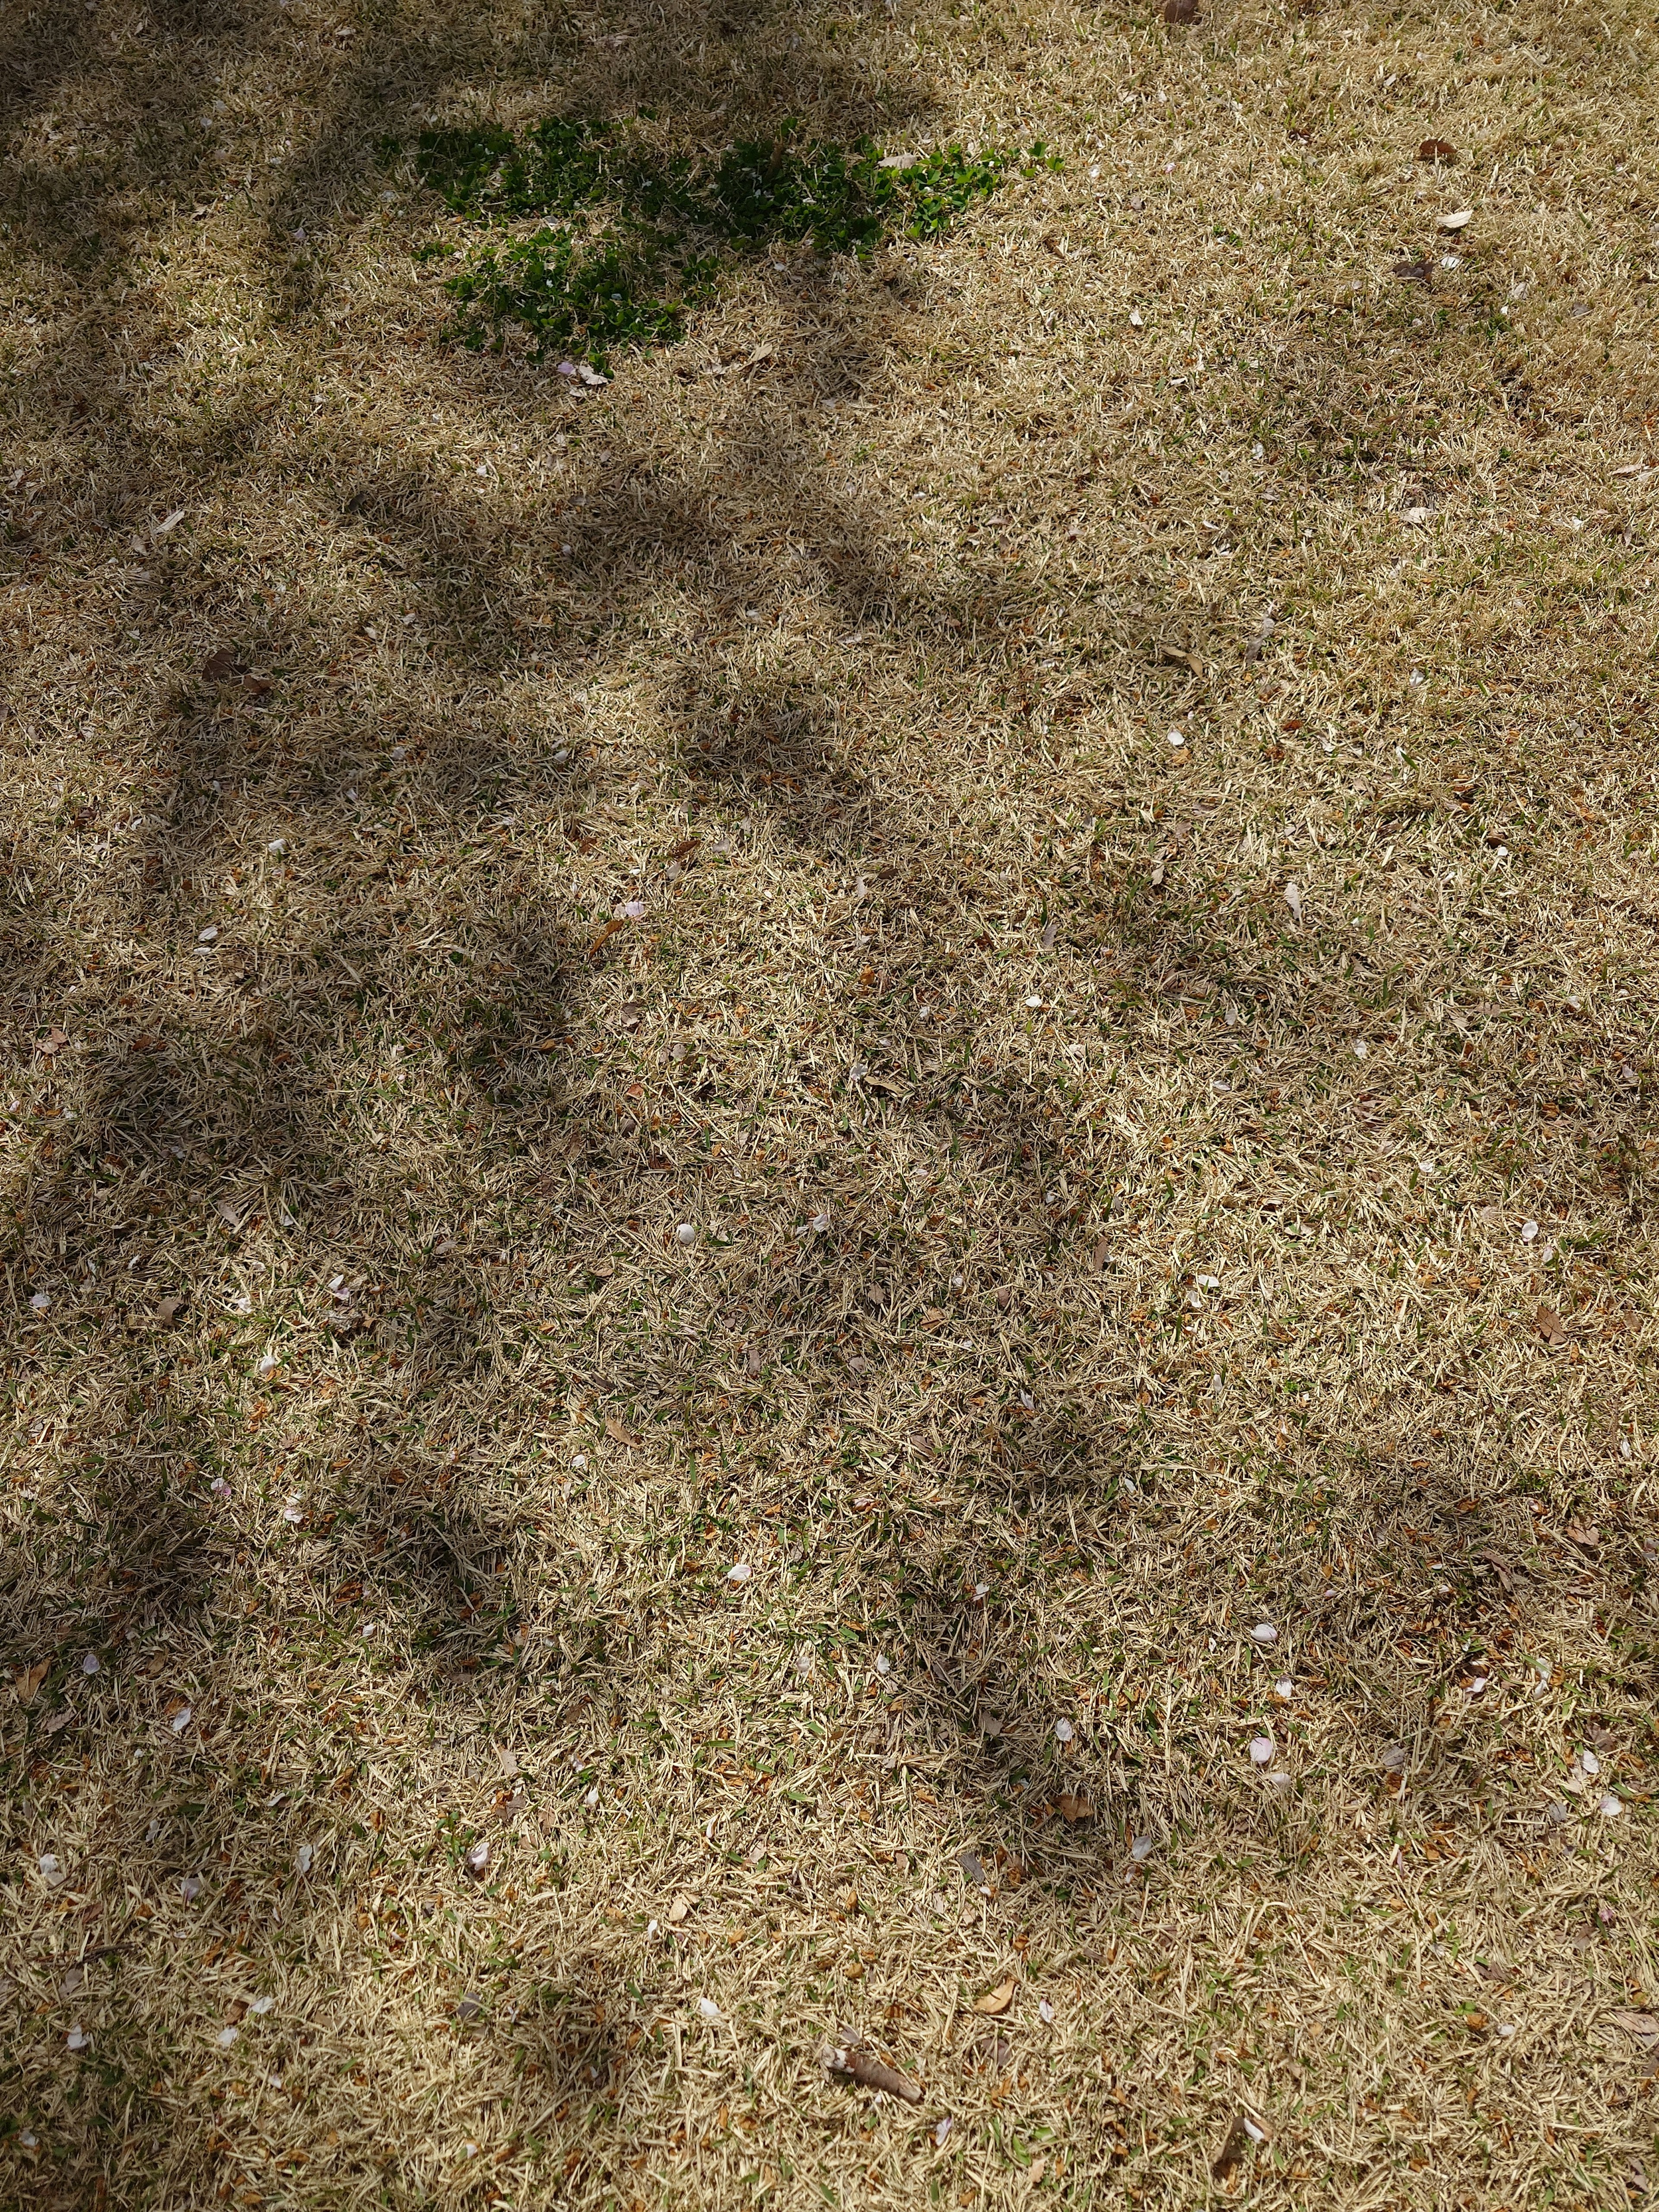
(666, 221)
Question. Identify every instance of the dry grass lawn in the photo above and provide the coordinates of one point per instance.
(1016, 1422)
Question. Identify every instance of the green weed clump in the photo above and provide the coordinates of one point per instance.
(666, 220)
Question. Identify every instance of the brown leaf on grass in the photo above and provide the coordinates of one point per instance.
(1236, 2143)
(168, 1311)
(219, 667)
(1644, 2026)
(1550, 1327)
(53, 1041)
(605, 935)
(1074, 1806)
(27, 1680)
(1436, 149)
(1414, 272)
(996, 2002)
(614, 1428)
(256, 686)
(1181, 11)
(679, 1910)
(868, 2073)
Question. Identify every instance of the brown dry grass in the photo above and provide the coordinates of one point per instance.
(388, 1450)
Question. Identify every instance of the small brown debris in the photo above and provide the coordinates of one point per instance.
(1436, 149)
(219, 667)
(1412, 272)
(1550, 1327)
(614, 1429)
(1237, 2143)
(1182, 11)
(27, 1680)
(1074, 1806)
(869, 2073)
(996, 2002)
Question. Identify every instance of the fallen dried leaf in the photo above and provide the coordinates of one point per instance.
(1461, 220)
(27, 1680)
(1181, 11)
(868, 2073)
(1549, 1326)
(1436, 149)
(220, 666)
(996, 2002)
(614, 1429)
(1075, 1807)
(1243, 2132)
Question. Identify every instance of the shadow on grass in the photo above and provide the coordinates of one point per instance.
(224, 1100)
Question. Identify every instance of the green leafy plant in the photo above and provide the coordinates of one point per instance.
(585, 300)
(667, 218)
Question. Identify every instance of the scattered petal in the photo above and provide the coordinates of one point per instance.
(207, 936)
(190, 1888)
(1293, 897)
(1461, 220)
(1141, 1850)
(77, 2038)
(51, 1872)
(1609, 1806)
(1264, 1633)
(1284, 1689)
(39, 1302)
(709, 2009)
(740, 1573)
(942, 2132)
(181, 1720)
(304, 1859)
(1261, 1750)
(686, 1233)
(261, 2005)
(477, 1858)
(89, 1663)
(1045, 2011)
(226, 2037)
(1064, 1731)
